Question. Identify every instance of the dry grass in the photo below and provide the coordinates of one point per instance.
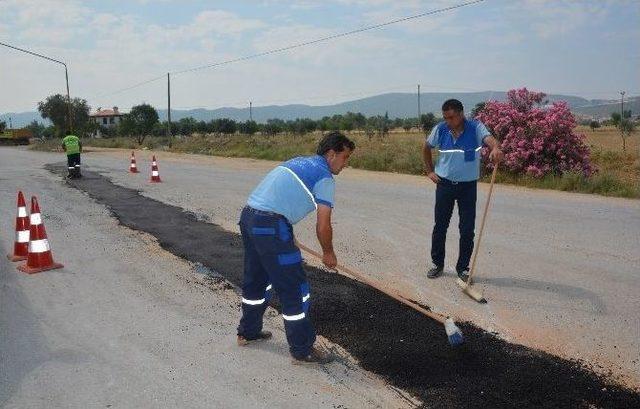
(618, 175)
(607, 153)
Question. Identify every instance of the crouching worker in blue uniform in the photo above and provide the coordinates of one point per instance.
(272, 261)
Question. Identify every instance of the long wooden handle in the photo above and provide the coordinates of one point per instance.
(375, 284)
(484, 217)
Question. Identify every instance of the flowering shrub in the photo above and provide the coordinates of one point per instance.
(536, 140)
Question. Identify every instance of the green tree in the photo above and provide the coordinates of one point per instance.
(56, 109)
(624, 124)
(139, 122)
(615, 118)
(3, 126)
(248, 127)
(227, 126)
(273, 126)
(427, 122)
(477, 109)
(594, 125)
(384, 125)
(187, 126)
(408, 124)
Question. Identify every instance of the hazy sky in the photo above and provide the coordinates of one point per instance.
(586, 48)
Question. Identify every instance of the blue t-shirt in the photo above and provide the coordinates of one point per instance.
(295, 188)
(458, 159)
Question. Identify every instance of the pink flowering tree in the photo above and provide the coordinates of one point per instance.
(536, 140)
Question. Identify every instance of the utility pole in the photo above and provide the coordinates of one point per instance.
(169, 109)
(10, 125)
(419, 112)
(66, 76)
(251, 111)
(624, 143)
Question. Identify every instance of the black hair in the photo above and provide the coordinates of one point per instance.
(452, 104)
(334, 140)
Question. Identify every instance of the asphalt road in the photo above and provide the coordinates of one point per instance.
(561, 271)
(126, 324)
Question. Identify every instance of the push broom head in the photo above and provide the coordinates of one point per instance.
(471, 292)
(453, 332)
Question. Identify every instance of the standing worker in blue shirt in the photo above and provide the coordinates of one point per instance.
(73, 147)
(459, 141)
(272, 261)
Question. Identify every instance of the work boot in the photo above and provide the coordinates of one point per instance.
(435, 272)
(463, 274)
(315, 357)
(262, 336)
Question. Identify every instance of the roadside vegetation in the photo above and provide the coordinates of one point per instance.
(551, 151)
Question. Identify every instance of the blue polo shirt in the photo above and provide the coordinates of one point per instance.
(458, 159)
(295, 188)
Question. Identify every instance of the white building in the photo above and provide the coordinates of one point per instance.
(106, 118)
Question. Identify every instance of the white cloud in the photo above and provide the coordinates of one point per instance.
(107, 51)
(549, 18)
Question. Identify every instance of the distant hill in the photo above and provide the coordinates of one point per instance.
(22, 119)
(604, 109)
(400, 105)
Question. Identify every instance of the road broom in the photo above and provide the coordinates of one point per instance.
(468, 287)
(454, 334)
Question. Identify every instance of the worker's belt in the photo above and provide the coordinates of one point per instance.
(262, 212)
(445, 181)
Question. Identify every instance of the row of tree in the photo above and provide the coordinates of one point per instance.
(143, 120)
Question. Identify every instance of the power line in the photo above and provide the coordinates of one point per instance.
(139, 84)
(66, 76)
(33, 53)
(328, 38)
(299, 45)
(333, 97)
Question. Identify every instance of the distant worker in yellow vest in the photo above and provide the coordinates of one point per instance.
(72, 146)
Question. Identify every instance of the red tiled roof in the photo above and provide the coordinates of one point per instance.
(107, 112)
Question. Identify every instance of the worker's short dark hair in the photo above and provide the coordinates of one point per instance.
(334, 140)
(452, 104)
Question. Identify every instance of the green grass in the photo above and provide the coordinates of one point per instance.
(602, 183)
(618, 175)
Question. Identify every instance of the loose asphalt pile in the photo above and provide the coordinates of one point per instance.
(406, 348)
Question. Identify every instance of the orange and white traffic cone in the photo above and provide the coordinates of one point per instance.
(133, 168)
(155, 175)
(21, 246)
(39, 257)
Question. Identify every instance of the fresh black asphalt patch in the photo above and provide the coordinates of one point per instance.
(406, 348)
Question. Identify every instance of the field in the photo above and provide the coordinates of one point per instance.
(400, 152)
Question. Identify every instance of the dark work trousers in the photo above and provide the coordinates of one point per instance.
(73, 163)
(272, 261)
(447, 193)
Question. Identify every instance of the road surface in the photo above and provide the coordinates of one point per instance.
(128, 325)
(561, 270)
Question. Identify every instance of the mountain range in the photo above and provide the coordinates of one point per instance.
(397, 105)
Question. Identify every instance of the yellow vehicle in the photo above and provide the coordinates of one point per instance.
(15, 137)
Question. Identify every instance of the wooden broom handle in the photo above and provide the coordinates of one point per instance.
(391, 293)
(484, 218)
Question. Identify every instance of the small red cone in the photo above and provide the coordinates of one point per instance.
(155, 175)
(133, 168)
(39, 257)
(21, 246)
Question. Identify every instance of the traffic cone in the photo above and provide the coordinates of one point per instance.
(39, 257)
(21, 246)
(133, 168)
(155, 175)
